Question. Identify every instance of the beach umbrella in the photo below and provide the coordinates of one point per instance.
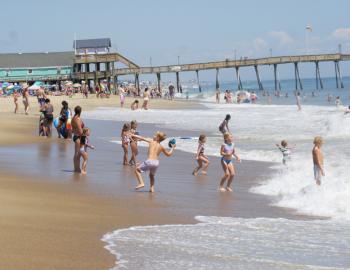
(10, 87)
(76, 85)
(38, 83)
(17, 87)
(34, 87)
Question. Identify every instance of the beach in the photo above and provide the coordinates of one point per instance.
(63, 216)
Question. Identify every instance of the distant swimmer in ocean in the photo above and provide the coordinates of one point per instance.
(338, 101)
(347, 111)
(223, 128)
(227, 152)
(84, 145)
(286, 151)
(317, 158)
(217, 95)
(201, 158)
(152, 162)
(125, 137)
(135, 105)
(298, 100)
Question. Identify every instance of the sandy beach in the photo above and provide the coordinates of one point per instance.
(53, 219)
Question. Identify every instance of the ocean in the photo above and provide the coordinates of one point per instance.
(259, 243)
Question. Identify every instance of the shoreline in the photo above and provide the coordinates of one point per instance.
(104, 201)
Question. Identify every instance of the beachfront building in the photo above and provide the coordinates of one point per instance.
(50, 67)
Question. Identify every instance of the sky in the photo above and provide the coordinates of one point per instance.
(185, 30)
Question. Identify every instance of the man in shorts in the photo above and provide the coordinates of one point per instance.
(317, 158)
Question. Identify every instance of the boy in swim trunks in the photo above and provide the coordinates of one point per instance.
(152, 162)
(317, 158)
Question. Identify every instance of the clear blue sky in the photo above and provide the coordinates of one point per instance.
(195, 30)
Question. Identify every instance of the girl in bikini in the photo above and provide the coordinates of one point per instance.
(133, 143)
(200, 157)
(84, 145)
(227, 152)
(125, 136)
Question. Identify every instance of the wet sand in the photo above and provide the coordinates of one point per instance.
(53, 219)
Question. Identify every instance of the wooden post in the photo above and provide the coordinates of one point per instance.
(339, 75)
(297, 77)
(318, 76)
(258, 78)
(178, 86)
(239, 82)
(198, 82)
(336, 74)
(217, 85)
(137, 83)
(275, 75)
(159, 82)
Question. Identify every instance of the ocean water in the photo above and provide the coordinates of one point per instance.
(232, 243)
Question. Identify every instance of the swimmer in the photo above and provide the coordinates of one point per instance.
(298, 98)
(317, 158)
(286, 151)
(201, 157)
(135, 105)
(84, 145)
(224, 125)
(152, 162)
(125, 136)
(133, 143)
(227, 152)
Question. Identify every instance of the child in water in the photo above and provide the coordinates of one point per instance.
(201, 157)
(133, 143)
(152, 162)
(125, 136)
(84, 145)
(286, 151)
(224, 125)
(227, 152)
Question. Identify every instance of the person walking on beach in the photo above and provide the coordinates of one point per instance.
(121, 96)
(171, 91)
(133, 143)
(286, 151)
(145, 99)
(25, 97)
(201, 157)
(47, 110)
(40, 94)
(84, 145)
(227, 152)
(152, 162)
(298, 100)
(77, 129)
(125, 137)
(217, 95)
(223, 128)
(317, 158)
(15, 100)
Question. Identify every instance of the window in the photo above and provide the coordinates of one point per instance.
(58, 71)
(30, 71)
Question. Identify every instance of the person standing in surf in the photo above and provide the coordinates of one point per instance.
(227, 152)
(152, 162)
(201, 157)
(223, 128)
(317, 158)
(298, 100)
(217, 95)
(77, 130)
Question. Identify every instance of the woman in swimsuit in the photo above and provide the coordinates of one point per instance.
(201, 157)
(145, 99)
(47, 110)
(121, 96)
(227, 152)
(25, 96)
(133, 143)
(125, 136)
(77, 129)
(15, 100)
